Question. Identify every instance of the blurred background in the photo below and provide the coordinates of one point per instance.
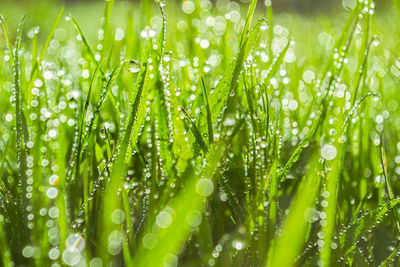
(293, 14)
(299, 6)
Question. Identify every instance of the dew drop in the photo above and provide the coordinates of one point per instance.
(54, 179)
(118, 216)
(167, 56)
(204, 187)
(71, 256)
(328, 152)
(164, 219)
(28, 251)
(134, 66)
(150, 241)
(52, 192)
(75, 241)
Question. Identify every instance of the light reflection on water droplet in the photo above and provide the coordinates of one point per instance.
(167, 56)
(75, 241)
(204, 187)
(54, 253)
(52, 192)
(164, 219)
(328, 152)
(150, 241)
(118, 216)
(54, 179)
(134, 66)
(71, 256)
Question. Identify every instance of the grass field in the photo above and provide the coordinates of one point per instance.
(199, 134)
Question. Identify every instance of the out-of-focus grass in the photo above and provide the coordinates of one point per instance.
(192, 134)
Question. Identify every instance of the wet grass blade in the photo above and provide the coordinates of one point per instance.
(184, 212)
(8, 41)
(229, 80)
(47, 43)
(83, 37)
(249, 18)
(196, 132)
(294, 225)
(388, 180)
(118, 167)
(209, 120)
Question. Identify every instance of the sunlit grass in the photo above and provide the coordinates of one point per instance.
(199, 134)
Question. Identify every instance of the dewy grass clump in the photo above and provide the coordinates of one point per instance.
(200, 137)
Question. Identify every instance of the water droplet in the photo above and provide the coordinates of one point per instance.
(238, 245)
(193, 218)
(150, 241)
(375, 97)
(54, 179)
(28, 251)
(52, 192)
(54, 253)
(162, 3)
(75, 241)
(204, 187)
(118, 216)
(134, 66)
(328, 152)
(264, 25)
(164, 219)
(96, 262)
(167, 56)
(103, 132)
(311, 215)
(71, 256)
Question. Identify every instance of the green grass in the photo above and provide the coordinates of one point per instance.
(194, 134)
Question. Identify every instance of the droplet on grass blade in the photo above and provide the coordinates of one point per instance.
(311, 215)
(134, 66)
(193, 218)
(264, 25)
(54, 253)
(119, 34)
(162, 3)
(204, 187)
(75, 241)
(118, 216)
(328, 152)
(150, 240)
(164, 219)
(28, 251)
(52, 192)
(103, 132)
(71, 256)
(167, 56)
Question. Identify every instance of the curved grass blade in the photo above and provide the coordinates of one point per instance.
(229, 80)
(119, 167)
(159, 244)
(348, 238)
(250, 13)
(388, 180)
(8, 41)
(209, 120)
(82, 35)
(22, 234)
(294, 226)
(303, 144)
(47, 43)
(106, 24)
(195, 131)
(276, 63)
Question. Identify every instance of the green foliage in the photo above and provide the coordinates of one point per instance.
(193, 134)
